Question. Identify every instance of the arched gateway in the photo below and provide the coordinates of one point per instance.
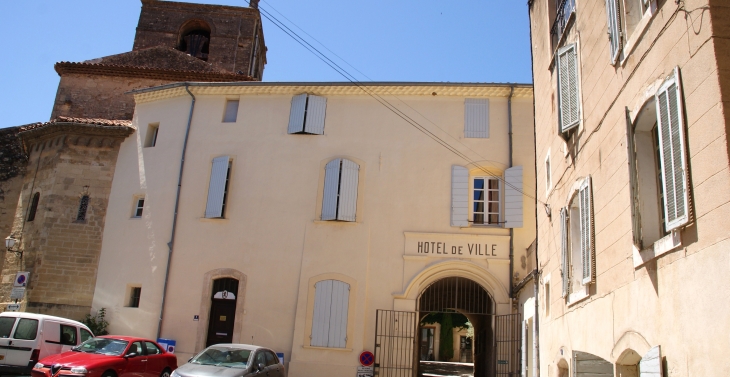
(404, 342)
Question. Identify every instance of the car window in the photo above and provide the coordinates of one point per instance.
(271, 359)
(68, 335)
(85, 335)
(26, 330)
(6, 326)
(105, 346)
(136, 347)
(260, 358)
(152, 349)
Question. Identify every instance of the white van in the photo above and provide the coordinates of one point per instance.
(26, 338)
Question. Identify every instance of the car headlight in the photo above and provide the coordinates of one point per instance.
(174, 374)
(38, 366)
(78, 370)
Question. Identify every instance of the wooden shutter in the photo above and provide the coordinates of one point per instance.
(338, 314)
(672, 152)
(585, 204)
(347, 206)
(476, 118)
(322, 313)
(565, 266)
(331, 188)
(316, 108)
(513, 197)
(614, 29)
(296, 114)
(633, 181)
(459, 196)
(568, 96)
(651, 364)
(217, 187)
(231, 111)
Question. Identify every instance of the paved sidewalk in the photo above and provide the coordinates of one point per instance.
(445, 369)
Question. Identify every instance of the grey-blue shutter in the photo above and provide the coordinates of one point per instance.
(330, 192)
(585, 204)
(459, 196)
(347, 205)
(564, 261)
(231, 111)
(614, 29)
(513, 197)
(338, 314)
(316, 109)
(568, 90)
(476, 118)
(651, 364)
(296, 114)
(633, 181)
(217, 187)
(673, 160)
(322, 313)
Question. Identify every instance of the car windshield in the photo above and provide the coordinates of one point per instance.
(105, 346)
(223, 356)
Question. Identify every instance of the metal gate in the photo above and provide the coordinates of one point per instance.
(507, 338)
(395, 343)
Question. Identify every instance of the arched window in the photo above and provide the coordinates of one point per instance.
(339, 201)
(329, 320)
(33, 206)
(194, 39)
(83, 206)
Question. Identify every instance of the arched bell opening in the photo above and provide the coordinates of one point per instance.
(194, 39)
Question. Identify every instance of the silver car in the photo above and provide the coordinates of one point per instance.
(232, 360)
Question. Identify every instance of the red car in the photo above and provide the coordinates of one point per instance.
(109, 356)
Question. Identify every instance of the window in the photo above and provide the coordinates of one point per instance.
(33, 206)
(134, 295)
(151, 138)
(307, 114)
(578, 254)
(27, 329)
(548, 175)
(231, 111)
(329, 320)
(658, 163)
(138, 207)
(152, 349)
(136, 348)
(547, 298)
(218, 187)
(6, 326)
(560, 12)
(85, 335)
(476, 118)
(339, 200)
(568, 88)
(271, 359)
(626, 19)
(68, 335)
(83, 207)
(261, 358)
(494, 200)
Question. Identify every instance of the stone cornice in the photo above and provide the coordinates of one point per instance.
(63, 68)
(73, 126)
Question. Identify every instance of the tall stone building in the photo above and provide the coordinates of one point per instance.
(633, 166)
(55, 176)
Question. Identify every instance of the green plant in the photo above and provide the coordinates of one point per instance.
(97, 324)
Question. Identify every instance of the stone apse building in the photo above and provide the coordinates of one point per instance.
(632, 165)
(55, 176)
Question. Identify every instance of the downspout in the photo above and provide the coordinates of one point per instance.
(511, 230)
(174, 217)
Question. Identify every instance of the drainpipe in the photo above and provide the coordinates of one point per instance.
(511, 230)
(177, 205)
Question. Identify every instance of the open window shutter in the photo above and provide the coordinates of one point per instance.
(633, 181)
(614, 29)
(524, 349)
(513, 197)
(347, 206)
(296, 114)
(316, 107)
(331, 187)
(338, 314)
(672, 152)
(586, 231)
(568, 96)
(565, 267)
(476, 118)
(459, 196)
(217, 187)
(322, 313)
(651, 364)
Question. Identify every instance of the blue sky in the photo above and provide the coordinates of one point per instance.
(403, 40)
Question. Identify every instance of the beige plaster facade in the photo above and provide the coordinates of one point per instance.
(648, 288)
(271, 236)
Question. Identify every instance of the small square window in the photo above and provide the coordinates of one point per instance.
(231, 111)
(151, 139)
(548, 175)
(134, 294)
(138, 207)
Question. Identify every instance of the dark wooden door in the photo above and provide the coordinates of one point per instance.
(220, 324)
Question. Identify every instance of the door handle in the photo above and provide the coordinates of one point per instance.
(144, 361)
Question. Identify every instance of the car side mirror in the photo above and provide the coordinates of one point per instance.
(261, 366)
(190, 359)
(130, 355)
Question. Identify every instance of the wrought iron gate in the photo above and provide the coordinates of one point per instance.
(395, 343)
(507, 338)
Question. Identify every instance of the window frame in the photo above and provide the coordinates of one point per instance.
(138, 210)
(135, 297)
(33, 206)
(218, 188)
(153, 131)
(578, 254)
(473, 201)
(84, 203)
(351, 310)
(340, 191)
(74, 338)
(577, 123)
(230, 116)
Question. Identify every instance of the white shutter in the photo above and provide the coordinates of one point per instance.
(296, 114)
(524, 349)
(338, 314)
(476, 118)
(231, 111)
(347, 205)
(633, 181)
(513, 197)
(459, 196)
(322, 313)
(316, 107)
(217, 187)
(672, 152)
(331, 187)
(585, 204)
(565, 266)
(568, 96)
(651, 364)
(614, 29)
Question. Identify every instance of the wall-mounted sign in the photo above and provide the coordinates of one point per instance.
(196, 318)
(444, 245)
(364, 371)
(21, 279)
(17, 293)
(367, 358)
(13, 307)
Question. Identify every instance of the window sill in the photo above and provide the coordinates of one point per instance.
(213, 219)
(662, 246)
(579, 296)
(328, 349)
(340, 222)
